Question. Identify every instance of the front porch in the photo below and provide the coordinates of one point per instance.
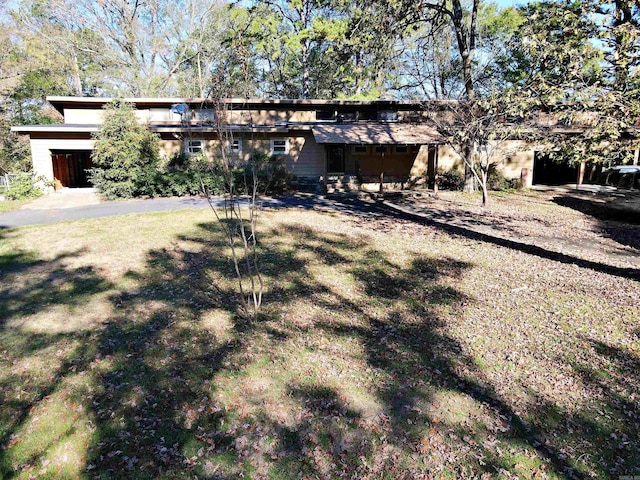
(378, 157)
(377, 167)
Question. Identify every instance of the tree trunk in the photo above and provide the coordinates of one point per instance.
(435, 170)
(469, 184)
(485, 192)
(306, 90)
(77, 81)
(466, 38)
(581, 170)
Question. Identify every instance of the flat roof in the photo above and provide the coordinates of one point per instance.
(56, 127)
(59, 102)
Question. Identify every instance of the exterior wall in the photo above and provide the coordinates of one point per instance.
(305, 158)
(94, 116)
(420, 167)
(269, 117)
(512, 156)
(516, 155)
(41, 152)
(170, 146)
(370, 163)
(449, 159)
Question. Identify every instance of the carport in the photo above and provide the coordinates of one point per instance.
(70, 168)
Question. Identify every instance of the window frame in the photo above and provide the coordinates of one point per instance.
(381, 149)
(231, 148)
(405, 147)
(188, 147)
(272, 145)
(356, 152)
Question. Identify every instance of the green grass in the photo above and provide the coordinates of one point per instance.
(384, 349)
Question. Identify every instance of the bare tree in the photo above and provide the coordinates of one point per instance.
(482, 125)
(238, 216)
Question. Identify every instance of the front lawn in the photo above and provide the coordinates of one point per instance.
(386, 349)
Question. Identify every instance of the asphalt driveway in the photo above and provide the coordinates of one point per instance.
(28, 215)
(38, 216)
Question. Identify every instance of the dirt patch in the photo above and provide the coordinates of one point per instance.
(594, 227)
(78, 197)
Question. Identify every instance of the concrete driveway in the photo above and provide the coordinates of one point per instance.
(67, 198)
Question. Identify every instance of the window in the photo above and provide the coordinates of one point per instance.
(279, 146)
(381, 149)
(360, 150)
(347, 116)
(235, 145)
(194, 147)
(401, 149)
(203, 115)
(366, 115)
(325, 115)
(387, 115)
(162, 115)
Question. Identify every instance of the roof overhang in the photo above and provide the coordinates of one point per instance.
(377, 134)
(56, 128)
(159, 128)
(212, 129)
(62, 102)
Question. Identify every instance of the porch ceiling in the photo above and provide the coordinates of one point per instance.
(380, 134)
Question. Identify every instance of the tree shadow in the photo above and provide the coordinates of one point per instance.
(358, 376)
(618, 221)
(468, 232)
(29, 288)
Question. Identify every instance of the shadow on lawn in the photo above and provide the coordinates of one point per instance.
(159, 401)
(380, 210)
(617, 221)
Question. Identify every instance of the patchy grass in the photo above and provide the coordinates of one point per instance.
(385, 349)
(603, 228)
(10, 205)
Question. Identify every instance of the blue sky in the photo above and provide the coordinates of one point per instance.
(509, 3)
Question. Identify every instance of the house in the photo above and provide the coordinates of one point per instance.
(321, 141)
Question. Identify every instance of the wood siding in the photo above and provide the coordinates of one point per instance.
(41, 152)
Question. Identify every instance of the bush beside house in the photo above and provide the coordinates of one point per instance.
(23, 188)
(127, 164)
(124, 151)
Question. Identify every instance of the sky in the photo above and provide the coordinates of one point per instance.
(509, 3)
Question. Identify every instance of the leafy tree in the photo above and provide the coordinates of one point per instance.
(124, 152)
(563, 65)
(463, 24)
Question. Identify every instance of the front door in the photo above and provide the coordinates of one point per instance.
(335, 159)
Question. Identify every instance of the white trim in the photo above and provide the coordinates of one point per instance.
(231, 148)
(272, 150)
(191, 149)
(55, 128)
